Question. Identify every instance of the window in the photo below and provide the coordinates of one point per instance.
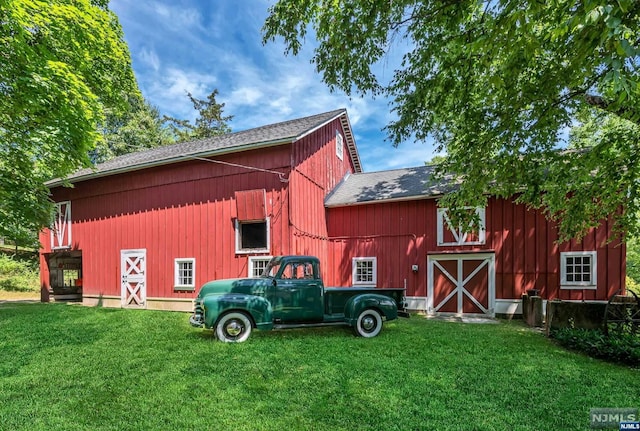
(61, 226)
(472, 234)
(364, 271)
(185, 274)
(578, 270)
(298, 271)
(339, 145)
(257, 265)
(252, 236)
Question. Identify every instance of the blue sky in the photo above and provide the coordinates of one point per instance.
(196, 46)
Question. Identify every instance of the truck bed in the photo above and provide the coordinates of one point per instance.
(336, 297)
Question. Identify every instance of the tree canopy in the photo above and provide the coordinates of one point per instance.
(138, 129)
(534, 99)
(63, 65)
(210, 121)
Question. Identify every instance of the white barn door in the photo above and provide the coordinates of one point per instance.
(461, 284)
(133, 269)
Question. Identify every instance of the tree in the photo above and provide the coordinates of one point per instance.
(498, 85)
(62, 66)
(138, 129)
(210, 122)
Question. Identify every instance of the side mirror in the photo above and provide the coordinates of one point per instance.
(274, 282)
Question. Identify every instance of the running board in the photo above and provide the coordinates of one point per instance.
(307, 325)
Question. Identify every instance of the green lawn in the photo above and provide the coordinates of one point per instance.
(76, 368)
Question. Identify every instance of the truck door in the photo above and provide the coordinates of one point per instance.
(298, 294)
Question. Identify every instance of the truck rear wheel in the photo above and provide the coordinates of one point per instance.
(368, 324)
(234, 327)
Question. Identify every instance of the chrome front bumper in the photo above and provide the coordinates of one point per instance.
(196, 320)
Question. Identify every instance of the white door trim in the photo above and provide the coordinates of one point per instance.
(488, 259)
(133, 278)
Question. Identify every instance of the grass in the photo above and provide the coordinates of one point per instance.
(76, 368)
(13, 296)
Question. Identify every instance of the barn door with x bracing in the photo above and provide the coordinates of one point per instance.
(461, 284)
(133, 269)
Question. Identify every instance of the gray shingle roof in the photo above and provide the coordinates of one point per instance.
(397, 184)
(273, 134)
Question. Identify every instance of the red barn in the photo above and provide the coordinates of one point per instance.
(146, 229)
(388, 224)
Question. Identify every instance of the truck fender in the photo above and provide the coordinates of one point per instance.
(355, 305)
(258, 308)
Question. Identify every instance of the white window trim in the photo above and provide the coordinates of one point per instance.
(339, 145)
(581, 285)
(61, 227)
(252, 260)
(176, 273)
(253, 250)
(460, 236)
(372, 283)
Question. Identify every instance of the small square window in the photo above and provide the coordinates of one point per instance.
(185, 274)
(257, 265)
(252, 236)
(578, 270)
(339, 145)
(364, 271)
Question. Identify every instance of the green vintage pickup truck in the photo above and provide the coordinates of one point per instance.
(290, 294)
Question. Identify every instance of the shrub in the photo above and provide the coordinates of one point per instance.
(621, 348)
(633, 285)
(18, 275)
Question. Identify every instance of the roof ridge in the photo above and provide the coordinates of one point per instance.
(266, 135)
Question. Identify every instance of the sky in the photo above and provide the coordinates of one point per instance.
(197, 46)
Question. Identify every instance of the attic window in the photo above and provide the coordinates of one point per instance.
(473, 234)
(339, 145)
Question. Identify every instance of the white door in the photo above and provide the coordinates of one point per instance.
(461, 284)
(133, 268)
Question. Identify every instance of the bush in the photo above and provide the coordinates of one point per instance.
(621, 348)
(633, 285)
(18, 275)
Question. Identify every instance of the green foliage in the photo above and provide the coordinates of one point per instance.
(623, 348)
(633, 259)
(498, 84)
(19, 275)
(107, 369)
(62, 66)
(210, 121)
(139, 128)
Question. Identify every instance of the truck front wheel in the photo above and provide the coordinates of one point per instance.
(368, 324)
(234, 327)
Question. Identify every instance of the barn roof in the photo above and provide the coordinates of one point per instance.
(393, 185)
(265, 136)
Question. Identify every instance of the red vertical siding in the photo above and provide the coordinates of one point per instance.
(187, 210)
(527, 255)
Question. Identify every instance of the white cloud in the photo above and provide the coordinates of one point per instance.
(178, 18)
(149, 57)
(247, 96)
(196, 46)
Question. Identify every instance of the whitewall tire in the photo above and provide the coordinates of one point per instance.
(234, 327)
